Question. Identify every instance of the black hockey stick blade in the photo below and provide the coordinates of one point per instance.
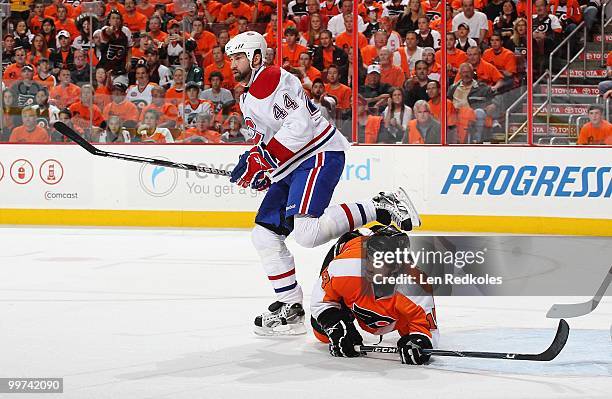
(549, 354)
(74, 136)
(568, 310)
(77, 138)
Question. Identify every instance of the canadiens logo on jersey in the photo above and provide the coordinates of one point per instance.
(371, 318)
(252, 130)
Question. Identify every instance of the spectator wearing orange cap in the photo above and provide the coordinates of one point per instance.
(597, 130)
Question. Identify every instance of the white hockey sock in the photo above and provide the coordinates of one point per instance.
(310, 232)
(278, 264)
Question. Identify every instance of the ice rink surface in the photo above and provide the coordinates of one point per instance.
(168, 314)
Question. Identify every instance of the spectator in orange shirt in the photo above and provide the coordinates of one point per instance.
(158, 36)
(43, 74)
(176, 93)
(369, 53)
(423, 129)
(145, 8)
(205, 40)
(168, 112)
(120, 106)
(65, 93)
(485, 72)
(13, 72)
(201, 132)
(501, 58)
(30, 132)
(390, 73)
(36, 17)
(134, 20)
(221, 65)
(435, 105)
(597, 131)
(310, 73)
(85, 114)
(230, 12)
(345, 39)
(63, 22)
(342, 93)
(291, 49)
(454, 56)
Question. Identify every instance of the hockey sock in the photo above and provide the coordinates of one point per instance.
(278, 264)
(310, 232)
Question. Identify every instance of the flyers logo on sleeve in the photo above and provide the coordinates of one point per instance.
(371, 318)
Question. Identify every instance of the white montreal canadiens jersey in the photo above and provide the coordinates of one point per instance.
(278, 113)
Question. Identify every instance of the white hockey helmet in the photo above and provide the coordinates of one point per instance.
(248, 43)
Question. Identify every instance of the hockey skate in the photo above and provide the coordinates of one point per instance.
(282, 319)
(396, 207)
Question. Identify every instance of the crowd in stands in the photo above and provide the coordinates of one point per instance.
(155, 70)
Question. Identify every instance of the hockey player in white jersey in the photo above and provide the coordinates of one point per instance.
(299, 157)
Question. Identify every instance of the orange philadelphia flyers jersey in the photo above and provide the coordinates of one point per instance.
(408, 309)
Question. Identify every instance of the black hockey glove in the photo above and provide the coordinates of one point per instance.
(410, 348)
(341, 331)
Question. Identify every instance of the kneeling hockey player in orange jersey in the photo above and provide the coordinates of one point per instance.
(352, 287)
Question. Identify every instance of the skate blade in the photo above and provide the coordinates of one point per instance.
(414, 215)
(282, 330)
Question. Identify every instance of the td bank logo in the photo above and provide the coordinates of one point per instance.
(157, 181)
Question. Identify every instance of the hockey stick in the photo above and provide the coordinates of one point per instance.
(562, 310)
(77, 138)
(549, 354)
